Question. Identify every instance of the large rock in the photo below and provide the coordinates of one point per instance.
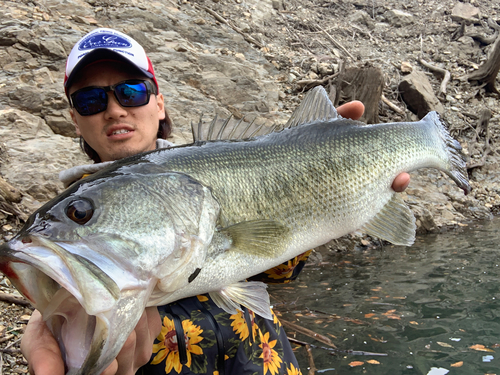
(398, 18)
(33, 155)
(417, 93)
(463, 12)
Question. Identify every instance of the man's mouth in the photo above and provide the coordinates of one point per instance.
(120, 131)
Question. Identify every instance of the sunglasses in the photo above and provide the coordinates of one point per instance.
(94, 99)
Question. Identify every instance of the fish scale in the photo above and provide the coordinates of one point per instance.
(349, 159)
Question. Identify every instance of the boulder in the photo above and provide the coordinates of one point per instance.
(33, 155)
(417, 93)
(398, 18)
(464, 12)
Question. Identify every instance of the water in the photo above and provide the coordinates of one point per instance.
(420, 307)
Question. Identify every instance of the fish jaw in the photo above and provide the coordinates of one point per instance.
(90, 313)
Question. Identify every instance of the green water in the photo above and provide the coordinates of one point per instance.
(420, 307)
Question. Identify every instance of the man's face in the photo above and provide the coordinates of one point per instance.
(118, 131)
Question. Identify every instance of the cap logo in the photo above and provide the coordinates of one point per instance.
(104, 40)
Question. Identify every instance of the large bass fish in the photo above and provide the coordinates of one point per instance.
(173, 223)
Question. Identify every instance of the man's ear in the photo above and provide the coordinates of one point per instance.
(73, 117)
(161, 106)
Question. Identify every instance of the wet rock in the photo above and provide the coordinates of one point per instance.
(417, 93)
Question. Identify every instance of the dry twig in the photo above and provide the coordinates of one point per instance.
(391, 105)
(337, 44)
(308, 347)
(312, 366)
(11, 351)
(446, 75)
(6, 338)
(307, 84)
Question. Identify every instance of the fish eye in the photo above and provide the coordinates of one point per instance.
(80, 211)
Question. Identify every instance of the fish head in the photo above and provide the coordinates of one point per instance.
(89, 259)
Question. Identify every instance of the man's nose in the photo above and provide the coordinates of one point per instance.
(114, 109)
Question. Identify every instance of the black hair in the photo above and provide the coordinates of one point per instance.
(164, 130)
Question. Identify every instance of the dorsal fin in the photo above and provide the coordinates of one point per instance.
(315, 106)
(228, 129)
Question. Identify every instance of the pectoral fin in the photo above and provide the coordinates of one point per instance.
(263, 238)
(394, 223)
(253, 295)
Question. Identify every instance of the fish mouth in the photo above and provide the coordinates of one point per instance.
(89, 311)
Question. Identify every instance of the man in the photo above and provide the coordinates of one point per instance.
(118, 111)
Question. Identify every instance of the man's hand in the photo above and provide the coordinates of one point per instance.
(40, 348)
(137, 350)
(44, 357)
(354, 110)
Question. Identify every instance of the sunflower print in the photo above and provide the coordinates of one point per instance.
(275, 319)
(271, 358)
(293, 370)
(240, 326)
(168, 347)
(285, 272)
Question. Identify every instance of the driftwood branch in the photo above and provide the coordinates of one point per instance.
(482, 126)
(308, 347)
(314, 335)
(446, 75)
(487, 40)
(221, 19)
(14, 299)
(312, 366)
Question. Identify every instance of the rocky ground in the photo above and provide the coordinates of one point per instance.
(250, 59)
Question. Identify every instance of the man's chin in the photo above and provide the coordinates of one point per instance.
(124, 152)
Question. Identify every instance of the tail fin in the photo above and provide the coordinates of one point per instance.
(458, 170)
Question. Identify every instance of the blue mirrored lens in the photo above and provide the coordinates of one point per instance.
(132, 94)
(89, 102)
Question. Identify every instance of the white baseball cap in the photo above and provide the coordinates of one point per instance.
(107, 44)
